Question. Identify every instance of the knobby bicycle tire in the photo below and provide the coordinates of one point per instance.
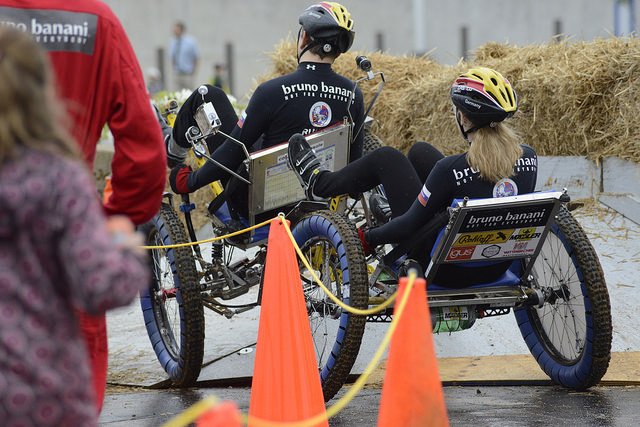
(570, 336)
(331, 245)
(172, 308)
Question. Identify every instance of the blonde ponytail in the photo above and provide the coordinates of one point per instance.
(494, 152)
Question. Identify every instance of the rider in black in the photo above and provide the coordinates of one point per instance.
(305, 101)
(496, 165)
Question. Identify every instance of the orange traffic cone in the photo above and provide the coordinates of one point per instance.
(412, 391)
(225, 414)
(108, 190)
(286, 384)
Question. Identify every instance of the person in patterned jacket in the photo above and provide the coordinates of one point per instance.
(57, 250)
(100, 82)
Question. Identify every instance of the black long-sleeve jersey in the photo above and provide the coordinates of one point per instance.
(305, 101)
(453, 178)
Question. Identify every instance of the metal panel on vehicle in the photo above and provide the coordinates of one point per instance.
(275, 185)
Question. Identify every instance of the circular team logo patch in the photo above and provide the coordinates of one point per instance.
(320, 114)
(504, 188)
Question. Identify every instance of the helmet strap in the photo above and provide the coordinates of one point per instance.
(460, 127)
(327, 47)
(298, 44)
(465, 133)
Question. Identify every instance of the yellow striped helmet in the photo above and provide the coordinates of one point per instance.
(329, 22)
(484, 96)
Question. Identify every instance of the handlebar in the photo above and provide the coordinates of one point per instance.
(365, 65)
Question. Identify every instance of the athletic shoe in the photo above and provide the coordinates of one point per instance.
(380, 209)
(305, 164)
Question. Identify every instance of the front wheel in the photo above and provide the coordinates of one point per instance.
(331, 246)
(570, 335)
(172, 307)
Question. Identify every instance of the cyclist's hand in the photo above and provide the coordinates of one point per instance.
(368, 249)
(178, 179)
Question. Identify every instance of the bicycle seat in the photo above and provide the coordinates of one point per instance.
(508, 278)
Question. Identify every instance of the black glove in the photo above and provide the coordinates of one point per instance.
(173, 158)
(178, 179)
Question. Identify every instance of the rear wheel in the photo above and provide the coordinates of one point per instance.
(570, 335)
(332, 248)
(172, 307)
(371, 141)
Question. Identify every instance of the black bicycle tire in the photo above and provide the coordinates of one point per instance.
(328, 225)
(371, 142)
(181, 359)
(589, 366)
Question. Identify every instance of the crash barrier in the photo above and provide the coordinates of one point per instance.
(393, 404)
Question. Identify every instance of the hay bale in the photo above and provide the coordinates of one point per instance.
(576, 98)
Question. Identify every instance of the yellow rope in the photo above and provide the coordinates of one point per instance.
(200, 408)
(374, 310)
(235, 233)
(193, 412)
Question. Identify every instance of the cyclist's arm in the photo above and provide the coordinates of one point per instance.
(251, 125)
(433, 198)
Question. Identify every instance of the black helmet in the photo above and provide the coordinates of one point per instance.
(484, 96)
(329, 23)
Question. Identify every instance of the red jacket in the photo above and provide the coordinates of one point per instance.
(100, 81)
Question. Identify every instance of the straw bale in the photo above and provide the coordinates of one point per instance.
(575, 98)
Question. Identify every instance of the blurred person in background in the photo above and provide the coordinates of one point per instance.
(154, 81)
(184, 54)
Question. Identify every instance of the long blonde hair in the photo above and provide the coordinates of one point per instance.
(494, 152)
(30, 114)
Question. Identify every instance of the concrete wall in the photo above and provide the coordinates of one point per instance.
(400, 27)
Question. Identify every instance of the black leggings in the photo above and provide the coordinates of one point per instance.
(400, 176)
(386, 166)
(423, 157)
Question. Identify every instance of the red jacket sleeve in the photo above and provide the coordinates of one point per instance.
(103, 84)
(139, 163)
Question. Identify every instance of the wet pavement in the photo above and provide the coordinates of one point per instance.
(493, 399)
(470, 405)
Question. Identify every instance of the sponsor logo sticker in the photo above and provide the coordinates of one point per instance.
(455, 313)
(525, 234)
(520, 246)
(320, 114)
(483, 238)
(54, 30)
(460, 252)
(491, 251)
(505, 188)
